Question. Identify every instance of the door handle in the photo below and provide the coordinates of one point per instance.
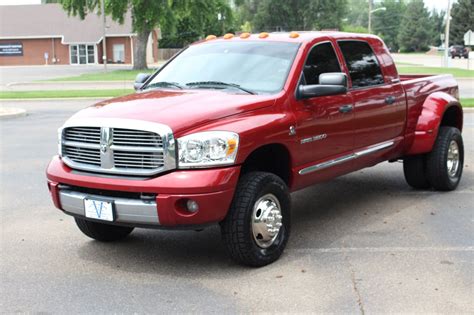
(390, 100)
(346, 109)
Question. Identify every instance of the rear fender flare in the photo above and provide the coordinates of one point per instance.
(429, 121)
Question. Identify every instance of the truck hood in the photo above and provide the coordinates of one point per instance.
(180, 110)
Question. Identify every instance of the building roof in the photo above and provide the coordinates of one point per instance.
(50, 20)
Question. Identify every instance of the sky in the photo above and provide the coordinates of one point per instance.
(431, 4)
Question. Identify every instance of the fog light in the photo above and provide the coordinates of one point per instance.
(192, 206)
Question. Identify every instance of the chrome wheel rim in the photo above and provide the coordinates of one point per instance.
(266, 220)
(453, 158)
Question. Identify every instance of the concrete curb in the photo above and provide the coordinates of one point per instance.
(11, 112)
(468, 109)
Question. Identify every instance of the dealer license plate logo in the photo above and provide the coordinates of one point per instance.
(98, 209)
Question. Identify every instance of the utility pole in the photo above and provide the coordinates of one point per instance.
(446, 35)
(104, 26)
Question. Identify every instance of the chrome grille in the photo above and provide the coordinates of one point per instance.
(83, 134)
(145, 160)
(127, 137)
(146, 150)
(82, 155)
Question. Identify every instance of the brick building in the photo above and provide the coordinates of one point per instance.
(45, 34)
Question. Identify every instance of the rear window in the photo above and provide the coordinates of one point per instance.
(364, 68)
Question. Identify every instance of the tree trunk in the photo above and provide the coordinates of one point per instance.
(139, 50)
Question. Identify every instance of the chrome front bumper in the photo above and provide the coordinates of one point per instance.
(130, 211)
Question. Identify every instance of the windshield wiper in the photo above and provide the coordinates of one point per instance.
(219, 83)
(163, 84)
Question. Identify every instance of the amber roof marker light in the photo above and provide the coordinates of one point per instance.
(294, 35)
(228, 36)
(211, 37)
(245, 35)
(263, 35)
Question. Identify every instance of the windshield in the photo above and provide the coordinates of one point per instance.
(252, 67)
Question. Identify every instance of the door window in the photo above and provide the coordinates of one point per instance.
(119, 53)
(321, 59)
(364, 68)
(82, 54)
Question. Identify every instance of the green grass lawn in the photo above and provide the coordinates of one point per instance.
(115, 75)
(63, 94)
(467, 102)
(457, 73)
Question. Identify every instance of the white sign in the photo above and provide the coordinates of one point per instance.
(469, 38)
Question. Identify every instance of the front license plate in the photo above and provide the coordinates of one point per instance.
(99, 209)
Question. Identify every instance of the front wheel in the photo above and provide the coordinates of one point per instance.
(444, 164)
(102, 232)
(257, 227)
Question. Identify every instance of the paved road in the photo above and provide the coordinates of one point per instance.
(364, 242)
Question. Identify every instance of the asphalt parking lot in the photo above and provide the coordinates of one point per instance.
(363, 243)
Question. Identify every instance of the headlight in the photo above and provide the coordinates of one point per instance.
(212, 148)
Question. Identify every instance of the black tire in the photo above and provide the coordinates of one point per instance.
(236, 228)
(414, 169)
(436, 161)
(103, 232)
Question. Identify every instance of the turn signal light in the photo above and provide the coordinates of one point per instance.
(263, 35)
(245, 35)
(211, 37)
(228, 36)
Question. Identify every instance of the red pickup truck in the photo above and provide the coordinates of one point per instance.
(229, 127)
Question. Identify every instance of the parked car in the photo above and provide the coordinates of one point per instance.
(458, 51)
(228, 128)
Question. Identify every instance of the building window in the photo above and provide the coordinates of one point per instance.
(82, 54)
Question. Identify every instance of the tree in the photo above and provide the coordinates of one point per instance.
(196, 19)
(146, 16)
(386, 23)
(438, 20)
(416, 28)
(462, 14)
(357, 14)
(286, 15)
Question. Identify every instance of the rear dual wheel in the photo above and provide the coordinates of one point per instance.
(440, 169)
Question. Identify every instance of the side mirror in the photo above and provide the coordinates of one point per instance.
(333, 83)
(140, 80)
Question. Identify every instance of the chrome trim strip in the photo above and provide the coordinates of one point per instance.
(168, 142)
(326, 164)
(396, 80)
(126, 210)
(375, 148)
(346, 158)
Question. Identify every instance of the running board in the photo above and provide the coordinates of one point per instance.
(343, 159)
